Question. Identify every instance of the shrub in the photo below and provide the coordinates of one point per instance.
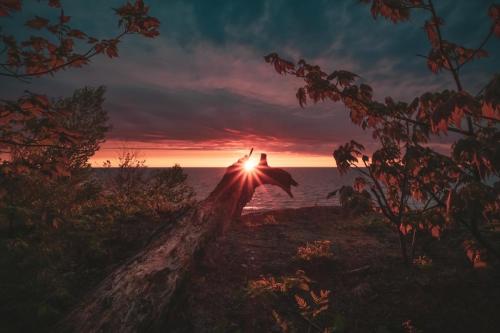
(413, 184)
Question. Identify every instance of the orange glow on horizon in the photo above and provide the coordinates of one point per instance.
(219, 154)
(213, 158)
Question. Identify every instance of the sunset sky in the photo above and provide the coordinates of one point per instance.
(201, 94)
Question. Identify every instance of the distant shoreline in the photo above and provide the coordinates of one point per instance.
(212, 167)
(257, 213)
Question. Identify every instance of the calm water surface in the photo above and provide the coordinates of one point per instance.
(314, 185)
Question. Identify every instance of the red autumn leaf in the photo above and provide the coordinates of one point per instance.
(33, 109)
(280, 65)
(347, 154)
(42, 100)
(149, 27)
(436, 231)
(37, 43)
(55, 3)
(37, 23)
(301, 96)
(494, 12)
(112, 51)
(76, 34)
(67, 45)
(435, 61)
(366, 91)
(490, 112)
(481, 54)
(496, 30)
(100, 47)
(52, 48)
(78, 61)
(405, 228)
(63, 18)
(431, 27)
(391, 10)
(54, 28)
(11, 117)
(448, 202)
(491, 99)
(357, 113)
(7, 6)
(344, 78)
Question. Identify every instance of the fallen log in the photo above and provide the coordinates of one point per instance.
(139, 295)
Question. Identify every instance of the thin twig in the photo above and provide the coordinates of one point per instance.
(479, 48)
(359, 269)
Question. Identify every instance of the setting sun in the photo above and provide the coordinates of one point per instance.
(249, 165)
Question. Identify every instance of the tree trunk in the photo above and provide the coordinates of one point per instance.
(138, 295)
(402, 244)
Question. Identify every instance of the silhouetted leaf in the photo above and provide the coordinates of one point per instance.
(37, 23)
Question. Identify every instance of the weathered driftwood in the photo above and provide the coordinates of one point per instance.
(138, 295)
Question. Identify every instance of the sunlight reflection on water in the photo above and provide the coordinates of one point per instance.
(314, 185)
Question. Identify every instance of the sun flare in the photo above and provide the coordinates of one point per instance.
(249, 165)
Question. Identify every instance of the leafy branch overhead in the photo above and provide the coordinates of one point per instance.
(34, 122)
(413, 184)
(59, 46)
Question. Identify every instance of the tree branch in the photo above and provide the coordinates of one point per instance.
(87, 56)
(479, 48)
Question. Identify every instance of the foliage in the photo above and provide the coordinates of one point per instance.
(59, 46)
(422, 262)
(62, 239)
(312, 309)
(284, 284)
(134, 190)
(296, 289)
(409, 327)
(316, 249)
(474, 254)
(32, 120)
(168, 190)
(60, 234)
(40, 195)
(354, 199)
(413, 184)
(48, 227)
(60, 229)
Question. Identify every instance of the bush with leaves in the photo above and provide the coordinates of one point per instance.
(414, 185)
(47, 229)
(353, 199)
(33, 195)
(32, 120)
(60, 232)
(168, 191)
(132, 188)
(297, 290)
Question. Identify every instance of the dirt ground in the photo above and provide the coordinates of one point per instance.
(370, 288)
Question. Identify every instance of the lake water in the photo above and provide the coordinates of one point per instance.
(314, 185)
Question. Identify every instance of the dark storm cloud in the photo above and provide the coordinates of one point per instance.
(211, 114)
(204, 78)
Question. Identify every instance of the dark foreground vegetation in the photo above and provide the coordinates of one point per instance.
(322, 269)
(61, 227)
(423, 258)
(411, 182)
(60, 238)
